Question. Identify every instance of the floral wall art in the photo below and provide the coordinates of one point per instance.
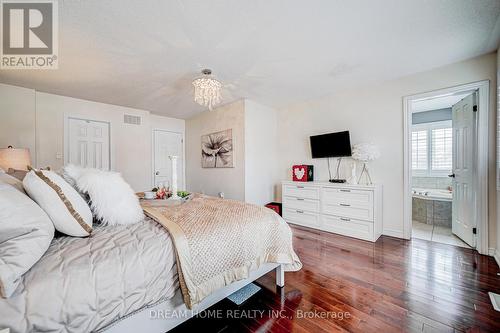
(217, 150)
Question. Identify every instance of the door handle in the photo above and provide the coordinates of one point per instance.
(157, 173)
(300, 199)
(452, 175)
(345, 205)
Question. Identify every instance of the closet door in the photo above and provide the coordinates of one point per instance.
(88, 143)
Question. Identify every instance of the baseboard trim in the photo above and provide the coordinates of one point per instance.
(393, 233)
(496, 255)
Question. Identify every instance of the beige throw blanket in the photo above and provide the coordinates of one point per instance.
(219, 241)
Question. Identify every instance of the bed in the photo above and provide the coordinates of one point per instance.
(112, 280)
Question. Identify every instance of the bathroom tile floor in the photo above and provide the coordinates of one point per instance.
(436, 234)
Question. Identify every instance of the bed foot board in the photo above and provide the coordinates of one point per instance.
(280, 276)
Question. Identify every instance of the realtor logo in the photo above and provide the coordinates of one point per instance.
(29, 34)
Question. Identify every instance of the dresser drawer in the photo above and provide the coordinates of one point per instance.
(344, 209)
(301, 204)
(350, 196)
(301, 217)
(301, 191)
(349, 227)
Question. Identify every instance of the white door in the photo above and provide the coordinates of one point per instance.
(463, 117)
(88, 143)
(167, 144)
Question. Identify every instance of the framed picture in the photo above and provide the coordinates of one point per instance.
(217, 150)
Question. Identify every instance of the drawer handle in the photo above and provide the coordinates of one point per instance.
(300, 211)
(344, 219)
(345, 205)
(345, 190)
(300, 199)
(300, 186)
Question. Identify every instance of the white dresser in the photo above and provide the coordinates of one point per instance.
(350, 210)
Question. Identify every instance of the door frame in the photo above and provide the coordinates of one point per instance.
(183, 135)
(480, 209)
(67, 118)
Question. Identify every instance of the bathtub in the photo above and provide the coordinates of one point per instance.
(432, 194)
(432, 206)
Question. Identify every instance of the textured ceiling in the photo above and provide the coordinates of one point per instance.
(144, 54)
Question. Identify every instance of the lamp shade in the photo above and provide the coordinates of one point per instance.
(15, 158)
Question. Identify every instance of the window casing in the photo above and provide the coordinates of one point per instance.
(432, 147)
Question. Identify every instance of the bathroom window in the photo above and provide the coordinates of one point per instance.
(419, 150)
(432, 154)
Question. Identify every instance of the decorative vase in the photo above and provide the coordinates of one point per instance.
(353, 180)
(174, 196)
(365, 171)
(365, 152)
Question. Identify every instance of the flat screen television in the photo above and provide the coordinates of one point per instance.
(331, 145)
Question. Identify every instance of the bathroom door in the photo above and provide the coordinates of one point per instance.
(167, 144)
(463, 117)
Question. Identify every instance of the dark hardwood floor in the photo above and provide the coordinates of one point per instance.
(392, 285)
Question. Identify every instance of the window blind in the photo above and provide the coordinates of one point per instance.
(441, 159)
(419, 150)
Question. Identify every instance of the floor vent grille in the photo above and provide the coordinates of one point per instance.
(495, 300)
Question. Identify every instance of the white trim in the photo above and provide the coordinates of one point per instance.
(495, 253)
(67, 117)
(142, 322)
(393, 233)
(153, 155)
(481, 204)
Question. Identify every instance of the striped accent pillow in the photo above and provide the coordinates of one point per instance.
(66, 208)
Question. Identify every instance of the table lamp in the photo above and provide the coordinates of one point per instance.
(14, 158)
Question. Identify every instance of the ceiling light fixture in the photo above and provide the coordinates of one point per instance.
(207, 90)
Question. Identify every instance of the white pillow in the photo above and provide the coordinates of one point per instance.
(112, 200)
(25, 234)
(66, 208)
(8, 179)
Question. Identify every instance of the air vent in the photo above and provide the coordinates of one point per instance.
(129, 119)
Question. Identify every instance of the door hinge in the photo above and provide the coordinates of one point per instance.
(474, 231)
(474, 108)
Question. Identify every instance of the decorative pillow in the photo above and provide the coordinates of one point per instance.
(112, 200)
(8, 179)
(19, 174)
(25, 234)
(66, 208)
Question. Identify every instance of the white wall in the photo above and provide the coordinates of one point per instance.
(261, 144)
(131, 145)
(497, 250)
(17, 118)
(374, 113)
(254, 177)
(211, 181)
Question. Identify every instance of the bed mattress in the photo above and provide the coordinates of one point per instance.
(84, 284)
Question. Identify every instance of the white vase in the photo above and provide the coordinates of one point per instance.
(174, 196)
(353, 180)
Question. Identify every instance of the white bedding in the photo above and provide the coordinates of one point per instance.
(84, 284)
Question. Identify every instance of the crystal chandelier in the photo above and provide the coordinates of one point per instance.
(207, 90)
